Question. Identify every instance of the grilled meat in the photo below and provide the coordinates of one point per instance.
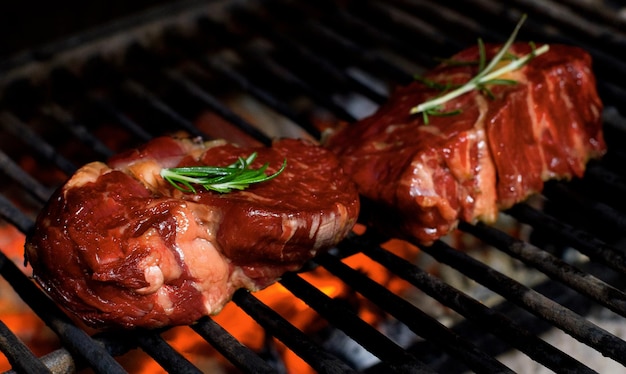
(490, 153)
(118, 245)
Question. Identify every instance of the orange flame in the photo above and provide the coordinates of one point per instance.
(249, 333)
(18, 317)
(32, 331)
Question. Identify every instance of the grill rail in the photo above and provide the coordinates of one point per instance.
(306, 64)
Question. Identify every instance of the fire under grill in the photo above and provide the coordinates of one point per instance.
(481, 300)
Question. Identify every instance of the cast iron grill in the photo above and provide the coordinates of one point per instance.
(305, 64)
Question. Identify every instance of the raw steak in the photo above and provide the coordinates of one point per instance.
(118, 245)
(424, 178)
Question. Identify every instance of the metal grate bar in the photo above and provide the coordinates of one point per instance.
(354, 53)
(575, 24)
(138, 91)
(66, 119)
(579, 239)
(238, 354)
(413, 30)
(220, 66)
(363, 31)
(214, 104)
(19, 129)
(75, 339)
(305, 57)
(58, 362)
(281, 73)
(573, 277)
(20, 357)
(490, 319)
(334, 45)
(418, 321)
(454, 20)
(295, 339)
(345, 319)
(605, 215)
(553, 290)
(13, 215)
(170, 359)
(600, 14)
(563, 318)
(257, 53)
(15, 172)
(118, 116)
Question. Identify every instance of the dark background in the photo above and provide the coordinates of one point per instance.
(25, 24)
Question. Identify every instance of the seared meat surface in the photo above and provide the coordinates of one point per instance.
(495, 152)
(118, 245)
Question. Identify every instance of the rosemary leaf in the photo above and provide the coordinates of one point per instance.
(487, 75)
(236, 176)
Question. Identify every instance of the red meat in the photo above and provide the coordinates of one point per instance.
(424, 178)
(118, 245)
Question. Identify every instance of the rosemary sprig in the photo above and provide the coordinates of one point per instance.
(487, 75)
(236, 176)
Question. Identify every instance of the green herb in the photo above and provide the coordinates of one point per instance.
(236, 176)
(487, 75)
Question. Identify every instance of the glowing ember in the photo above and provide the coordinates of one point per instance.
(18, 317)
(249, 333)
(32, 331)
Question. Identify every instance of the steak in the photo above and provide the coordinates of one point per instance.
(117, 245)
(488, 154)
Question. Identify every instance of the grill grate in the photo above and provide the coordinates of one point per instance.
(306, 65)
